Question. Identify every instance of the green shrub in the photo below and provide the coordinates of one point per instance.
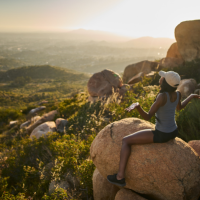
(189, 70)
(188, 121)
(8, 114)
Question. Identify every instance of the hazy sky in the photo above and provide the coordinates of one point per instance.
(135, 18)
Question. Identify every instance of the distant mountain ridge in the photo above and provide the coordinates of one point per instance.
(150, 42)
(82, 34)
(102, 38)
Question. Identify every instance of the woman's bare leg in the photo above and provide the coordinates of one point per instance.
(140, 137)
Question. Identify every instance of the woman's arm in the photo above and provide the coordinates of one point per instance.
(184, 103)
(155, 106)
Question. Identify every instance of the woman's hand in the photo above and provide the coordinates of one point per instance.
(132, 107)
(196, 96)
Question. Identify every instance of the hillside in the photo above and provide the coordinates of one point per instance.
(8, 63)
(41, 72)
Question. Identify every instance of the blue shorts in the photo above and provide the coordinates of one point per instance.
(161, 137)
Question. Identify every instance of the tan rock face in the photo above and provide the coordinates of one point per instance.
(144, 66)
(102, 189)
(124, 89)
(187, 87)
(137, 78)
(103, 82)
(187, 36)
(198, 86)
(197, 91)
(173, 51)
(61, 124)
(195, 144)
(171, 62)
(125, 194)
(43, 129)
(34, 111)
(46, 117)
(166, 171)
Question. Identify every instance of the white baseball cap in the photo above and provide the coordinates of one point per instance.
(171, 77)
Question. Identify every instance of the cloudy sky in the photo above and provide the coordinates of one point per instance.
(135, 18)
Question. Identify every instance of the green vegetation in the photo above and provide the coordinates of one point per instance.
(189, 70)
(42, 72)
(27, 167)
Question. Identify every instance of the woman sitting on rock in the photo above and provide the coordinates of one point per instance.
(167, 100)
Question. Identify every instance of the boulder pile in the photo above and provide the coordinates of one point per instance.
(165, 171)
(38, 126)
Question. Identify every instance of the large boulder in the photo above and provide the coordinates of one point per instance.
(170, 62)
(102, 189)
(195, 144)
(61, 125)
(125, 194)
(35, 111)
(187, 35)
(45, 118)
(137, 78)
(102, 83)
(43, 129)
(187, 87)
(197, 91)
(27, 123)
(124, 89)
(173, 51)
(165, 171)
(144, 66)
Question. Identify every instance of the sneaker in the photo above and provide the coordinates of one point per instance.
(113, 179)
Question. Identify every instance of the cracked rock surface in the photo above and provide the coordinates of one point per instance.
(165, 171)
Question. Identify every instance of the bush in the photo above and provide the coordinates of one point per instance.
(8, 114)
(188, 121)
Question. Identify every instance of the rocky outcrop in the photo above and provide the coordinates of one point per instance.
(35, 111)
(43, 129)
(187, 87)
(198, 86)
(173, 58)
(165, 171)
(45, 118)
(195, 144)
(170, 62)
(187, 35)
(103, 83)
(27, 123)
(137, 78)
(173, 51)
(132, 70)
(125, 194)
(124, 89)
(61, 124)
(102, 189)
(197, 91)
